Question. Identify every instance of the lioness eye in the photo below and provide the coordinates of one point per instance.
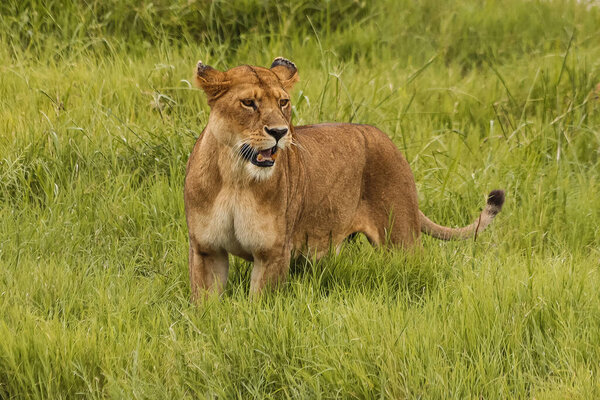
(283, 102)
(249, 103)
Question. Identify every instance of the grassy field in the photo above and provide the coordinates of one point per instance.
(97, 118)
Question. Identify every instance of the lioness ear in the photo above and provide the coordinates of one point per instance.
(212, 81)
(286, 71)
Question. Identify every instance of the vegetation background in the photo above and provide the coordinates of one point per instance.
(98, 116)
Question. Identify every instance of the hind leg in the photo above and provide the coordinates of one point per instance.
(403, 229)
(393, 226)
(400, 233)
(390, 195)
(392, 219)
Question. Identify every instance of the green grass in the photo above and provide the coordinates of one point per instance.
(97, 118)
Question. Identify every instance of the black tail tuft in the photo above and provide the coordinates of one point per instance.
(496, 199)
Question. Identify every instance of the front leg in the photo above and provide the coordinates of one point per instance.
(270, 269)
(208, 272)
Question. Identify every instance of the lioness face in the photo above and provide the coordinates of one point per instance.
(252, 110)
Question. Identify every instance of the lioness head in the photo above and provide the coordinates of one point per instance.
(251, 111)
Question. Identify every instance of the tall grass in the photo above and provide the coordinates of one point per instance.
(97, 118)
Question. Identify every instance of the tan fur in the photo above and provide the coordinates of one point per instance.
(328, 181)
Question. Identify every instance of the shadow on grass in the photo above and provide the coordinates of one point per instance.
(358, 268)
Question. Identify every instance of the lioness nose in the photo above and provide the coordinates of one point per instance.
(277, 132)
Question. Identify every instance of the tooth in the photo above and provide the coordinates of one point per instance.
(259, 157)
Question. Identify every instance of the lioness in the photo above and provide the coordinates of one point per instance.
(261, 189)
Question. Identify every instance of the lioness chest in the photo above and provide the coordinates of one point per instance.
(235, 222)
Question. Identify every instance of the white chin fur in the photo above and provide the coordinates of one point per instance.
(259, 173)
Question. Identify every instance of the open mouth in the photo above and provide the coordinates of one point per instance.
(260, 158)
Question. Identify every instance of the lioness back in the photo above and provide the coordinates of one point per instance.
(363, 164)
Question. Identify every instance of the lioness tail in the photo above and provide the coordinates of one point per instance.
(494, 205)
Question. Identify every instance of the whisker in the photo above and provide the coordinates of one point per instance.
(297, 145)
